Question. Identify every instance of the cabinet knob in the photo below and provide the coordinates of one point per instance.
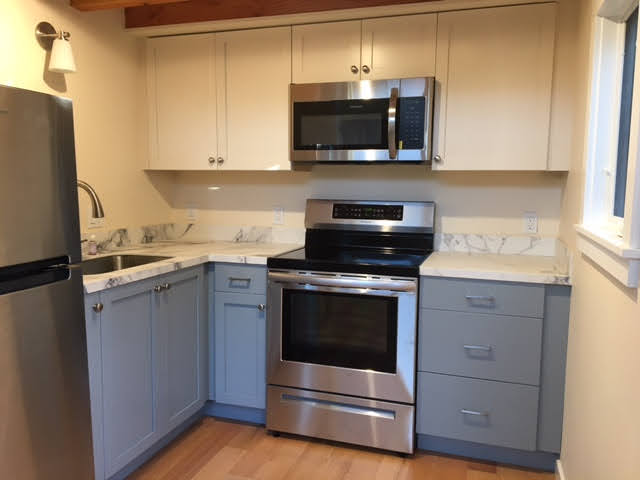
(166, 286)
(212, 160)
(262, 307)
(354, 69)
(220, 160)
(98, 307)
(366, 69)
(437, 158)
(157, 288)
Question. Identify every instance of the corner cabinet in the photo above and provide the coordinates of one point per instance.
(494, 71)
(380, 48)
(220, 101)
(147, 345)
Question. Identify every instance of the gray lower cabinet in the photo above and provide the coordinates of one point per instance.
(147, 363)
(491, 363)
(240, 349)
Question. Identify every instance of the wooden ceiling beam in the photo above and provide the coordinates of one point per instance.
(211, 10)
(89, 5)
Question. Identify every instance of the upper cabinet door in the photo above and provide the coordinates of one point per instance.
(182, 103)
(326, 52)
(494, 71)
(254, 72)
(399, 47)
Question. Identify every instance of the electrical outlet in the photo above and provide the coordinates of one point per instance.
(278, 216)
(530, 222)
(192, 214)
(95, 222)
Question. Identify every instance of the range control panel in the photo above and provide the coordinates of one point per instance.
(367, 212)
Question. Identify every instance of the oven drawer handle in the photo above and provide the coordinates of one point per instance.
(340, 407)
(396, 285)
(474, 413)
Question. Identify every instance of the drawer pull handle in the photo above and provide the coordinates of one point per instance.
(476, 413)
(239, 279)
(486, 298)
(483, 348)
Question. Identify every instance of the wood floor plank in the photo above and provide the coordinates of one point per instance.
(220, 450)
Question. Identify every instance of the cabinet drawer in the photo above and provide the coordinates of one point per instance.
(504, 298)
(495, 347)
(481, 411)
(240, 279)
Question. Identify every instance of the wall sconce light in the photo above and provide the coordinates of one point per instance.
(61, 60)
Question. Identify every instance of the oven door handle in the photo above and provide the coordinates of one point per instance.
(394, 285)
(391, 124)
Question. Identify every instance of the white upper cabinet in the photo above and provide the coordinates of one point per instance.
(380, 48)
(326, 52)
(494, 71)
(182, 103)
(399, 47)
(253, 75)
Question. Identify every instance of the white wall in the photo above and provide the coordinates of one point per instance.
(109, 104)
(478, 202)
(601, 435)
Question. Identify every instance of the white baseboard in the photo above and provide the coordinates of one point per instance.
(560, 471)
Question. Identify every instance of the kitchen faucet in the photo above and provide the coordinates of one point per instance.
(96, 206)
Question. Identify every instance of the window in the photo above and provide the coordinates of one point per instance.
(626, 100)
(610, 230)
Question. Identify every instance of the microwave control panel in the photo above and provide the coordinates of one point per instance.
(410, 123)
(367, 212)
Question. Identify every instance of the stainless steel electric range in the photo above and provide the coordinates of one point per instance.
(342, 323)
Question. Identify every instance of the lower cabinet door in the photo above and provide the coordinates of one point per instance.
(481, 411)
(128, 374)
(182, 343)
(240, 349)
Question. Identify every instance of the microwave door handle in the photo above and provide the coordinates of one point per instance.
(393, 104)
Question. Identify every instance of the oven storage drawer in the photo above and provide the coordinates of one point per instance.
(240, 279)
(479, 345)
(503, 298)
(482, 411)
(372, 423)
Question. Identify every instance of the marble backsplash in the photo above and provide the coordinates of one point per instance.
(499, 244)
(122, 238)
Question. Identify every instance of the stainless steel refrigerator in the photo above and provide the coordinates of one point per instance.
(45, 423)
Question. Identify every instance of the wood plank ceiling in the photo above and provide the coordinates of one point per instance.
(147, 13)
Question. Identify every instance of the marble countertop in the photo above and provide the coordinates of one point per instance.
(183, 255)
(511, 268)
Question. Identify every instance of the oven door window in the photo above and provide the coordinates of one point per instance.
(340, 330)
(341, 125)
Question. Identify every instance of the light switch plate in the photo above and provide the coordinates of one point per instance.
(278, 216)
(95, 222)
(192, 214)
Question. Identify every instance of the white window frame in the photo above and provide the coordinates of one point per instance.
(610, 241)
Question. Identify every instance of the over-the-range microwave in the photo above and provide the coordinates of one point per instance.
(365, 121)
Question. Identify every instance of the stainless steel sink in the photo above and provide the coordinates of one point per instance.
(116, 262)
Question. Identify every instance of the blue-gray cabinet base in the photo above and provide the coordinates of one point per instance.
(240, 349)
(147, 364)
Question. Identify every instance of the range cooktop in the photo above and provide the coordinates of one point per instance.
(376, 238)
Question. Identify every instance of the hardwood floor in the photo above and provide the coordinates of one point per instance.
(219, 450)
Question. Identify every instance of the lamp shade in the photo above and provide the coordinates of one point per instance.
(61, 60)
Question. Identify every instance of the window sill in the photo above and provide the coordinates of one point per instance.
(611, 253)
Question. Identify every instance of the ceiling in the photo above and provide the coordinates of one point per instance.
(147, 13)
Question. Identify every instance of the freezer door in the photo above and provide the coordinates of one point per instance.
(45, 423)
(38, 193)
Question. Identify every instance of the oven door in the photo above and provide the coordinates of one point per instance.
(339, 333)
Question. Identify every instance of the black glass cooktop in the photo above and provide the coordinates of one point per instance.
(368, 253)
